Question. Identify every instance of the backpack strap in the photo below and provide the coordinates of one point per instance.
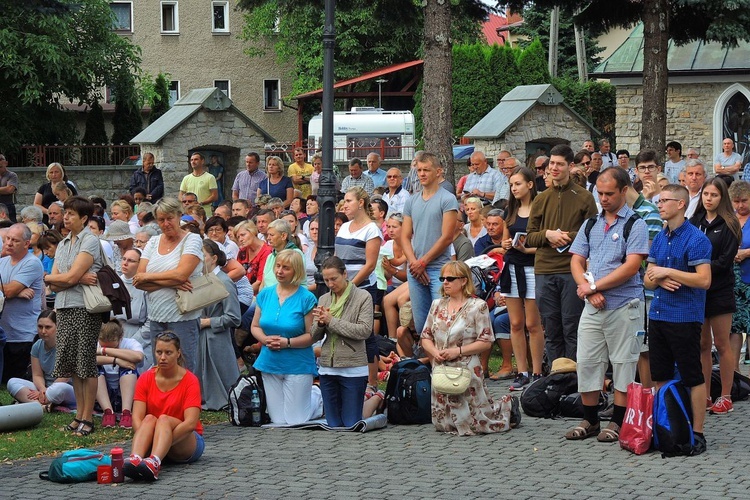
(625, 232)
(590, 225)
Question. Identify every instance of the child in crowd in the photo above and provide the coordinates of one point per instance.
(118, 359)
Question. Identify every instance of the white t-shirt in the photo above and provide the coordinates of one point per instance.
(112, 374)
(162, 306)
(351, 248)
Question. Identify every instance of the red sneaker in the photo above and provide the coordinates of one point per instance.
(149, 469)
(722, 406)
(130, 468)
(126, 420)
(108, 419)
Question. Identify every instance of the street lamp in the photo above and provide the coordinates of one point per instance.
(380, 82)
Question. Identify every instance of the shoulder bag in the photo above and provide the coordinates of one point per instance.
(207, 290)
(93, 298)
(451, 379)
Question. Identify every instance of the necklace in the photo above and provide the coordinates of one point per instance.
(171, 244)
(452, 311)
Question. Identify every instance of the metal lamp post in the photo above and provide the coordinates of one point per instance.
(380, 82)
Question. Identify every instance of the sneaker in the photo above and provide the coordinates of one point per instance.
(108, 419)
(130, 468)
(126, 420)
(520, 382)
(149, 469)
(709, 403)
(722, 406)
(699, 445)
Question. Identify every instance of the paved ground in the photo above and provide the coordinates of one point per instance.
(533, 461)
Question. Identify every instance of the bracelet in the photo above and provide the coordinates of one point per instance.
(114, 362)
(421, 263)
(460, 353)
(289, 342)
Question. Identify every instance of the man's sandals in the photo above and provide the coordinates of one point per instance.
(610, 434)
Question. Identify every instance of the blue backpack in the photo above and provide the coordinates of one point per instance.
(673, 431)
(75, 466)
(407, 395)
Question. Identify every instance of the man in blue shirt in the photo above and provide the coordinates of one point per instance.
(377, 174)
(679, 272)
(611, 285)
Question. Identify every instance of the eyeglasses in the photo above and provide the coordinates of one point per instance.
(647, 168)
(449, 279)
(661, 201)
(541, 168)
(215, 229)
(188, 202)
(393, 176)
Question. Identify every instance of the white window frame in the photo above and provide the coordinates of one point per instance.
(225, 5)
(267, 108)
(124, 30)
(176, 19)
(229, 86)
(176, 83)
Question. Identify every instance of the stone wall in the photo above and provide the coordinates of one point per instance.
(109, 182)
(540, 124)
(690, 110)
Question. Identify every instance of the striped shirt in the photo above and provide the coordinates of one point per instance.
(364, 181)
(490, 181)
(247, 183)
(650, 214)
(351, 248)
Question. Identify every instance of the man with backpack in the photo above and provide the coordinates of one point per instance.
(679, 272)
(615, 242)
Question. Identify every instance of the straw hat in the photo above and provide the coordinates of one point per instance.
(117, 231)
(563, 365)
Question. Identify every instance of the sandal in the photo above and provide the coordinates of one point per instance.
(82, 431)
(502, 375)
(610, 434)
(582, 431)
(71, 428)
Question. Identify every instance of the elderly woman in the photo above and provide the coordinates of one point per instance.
(142, 236)
(277, 185)
(218, 231)
(78, 256)
(44, 195)
(279, 237)
(118, 233)
(168, 263)
(217, 368)
(457, 330)
(282, 324)
(253, 252)
(31, 214)
(166, 413)
(344, 317)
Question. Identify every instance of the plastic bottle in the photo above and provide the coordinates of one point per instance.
(255, 415)
(117, 464)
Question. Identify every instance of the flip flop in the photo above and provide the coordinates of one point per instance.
(610, 434)
(500, 376)
(582, 431)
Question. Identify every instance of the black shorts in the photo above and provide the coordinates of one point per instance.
(671, 343)
(372, 347)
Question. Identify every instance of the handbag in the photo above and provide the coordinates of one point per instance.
(207, 290)
(637, 432)
(451, 379)
(95, 300)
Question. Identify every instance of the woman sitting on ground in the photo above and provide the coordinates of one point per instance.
(344, 317)
(43, 388)
(166, 413)
(457, 330)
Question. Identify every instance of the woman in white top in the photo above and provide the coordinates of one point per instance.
(475, 227)
(168, 263)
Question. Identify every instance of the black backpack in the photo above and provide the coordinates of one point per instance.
(571, 405)
(625, 231)
(542, 397)
(740, 386)
(407, 395)
(240, 396)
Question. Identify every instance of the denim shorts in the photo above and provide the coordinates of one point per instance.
(200, 445)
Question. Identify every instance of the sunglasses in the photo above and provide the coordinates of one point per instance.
(166, 336)
(449, 279)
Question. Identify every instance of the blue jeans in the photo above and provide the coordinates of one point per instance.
(187, 332)
(342, 399)
(247, 317)
(422, 295)
(501, 325)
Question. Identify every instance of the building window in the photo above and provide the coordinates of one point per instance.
(271, 100)
(174, 92)
(224, 86)
(170, 19)
(123, 14)
(220, 17)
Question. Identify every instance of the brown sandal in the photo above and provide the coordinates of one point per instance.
(582, 431)
(610, 434)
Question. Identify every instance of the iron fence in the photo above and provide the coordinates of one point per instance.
(74, 155)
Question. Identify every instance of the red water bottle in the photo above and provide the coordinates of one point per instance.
(117, 464)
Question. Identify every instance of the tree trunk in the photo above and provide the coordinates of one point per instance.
(437, 94)
(655, 75)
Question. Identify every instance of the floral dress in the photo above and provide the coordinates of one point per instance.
(474, 411)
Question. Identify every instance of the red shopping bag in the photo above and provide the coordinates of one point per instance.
(637, 427)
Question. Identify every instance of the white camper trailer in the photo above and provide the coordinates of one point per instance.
(366, 130)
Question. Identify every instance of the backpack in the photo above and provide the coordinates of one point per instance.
(542, 397)
(75, 466)
(625, 231)
(740, 386)
(407, 395)
(240, 396)
(571, 405)
(673, 431)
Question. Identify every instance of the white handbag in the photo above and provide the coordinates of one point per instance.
(94, 300)
(450, 379)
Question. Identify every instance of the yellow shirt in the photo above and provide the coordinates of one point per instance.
(306, 170)
(201, 186)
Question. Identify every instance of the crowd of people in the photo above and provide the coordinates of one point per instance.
(620, 264)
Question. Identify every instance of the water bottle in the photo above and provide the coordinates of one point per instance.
(117, 464)
(255, 416)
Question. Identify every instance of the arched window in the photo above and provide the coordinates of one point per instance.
(732, 119)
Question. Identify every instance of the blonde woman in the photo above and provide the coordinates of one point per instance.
(122, 210)
(457, 330)
(44, 195)
(277, 185)
(475, 227)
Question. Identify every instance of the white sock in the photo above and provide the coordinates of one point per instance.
(156, 459)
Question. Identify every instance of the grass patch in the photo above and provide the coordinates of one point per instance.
(48, 438)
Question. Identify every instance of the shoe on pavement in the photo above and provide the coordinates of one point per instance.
(108, 419)
(149, 469)
(520, 382)
(130, 468)
(722, 406)
(699, 446)
(126, 420)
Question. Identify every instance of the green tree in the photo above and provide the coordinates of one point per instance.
(681, 20)
(504, 70)
(471, 83)
(94, 137)
(127, 119)
(532, 65)
(52, 52)
(160, 100)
